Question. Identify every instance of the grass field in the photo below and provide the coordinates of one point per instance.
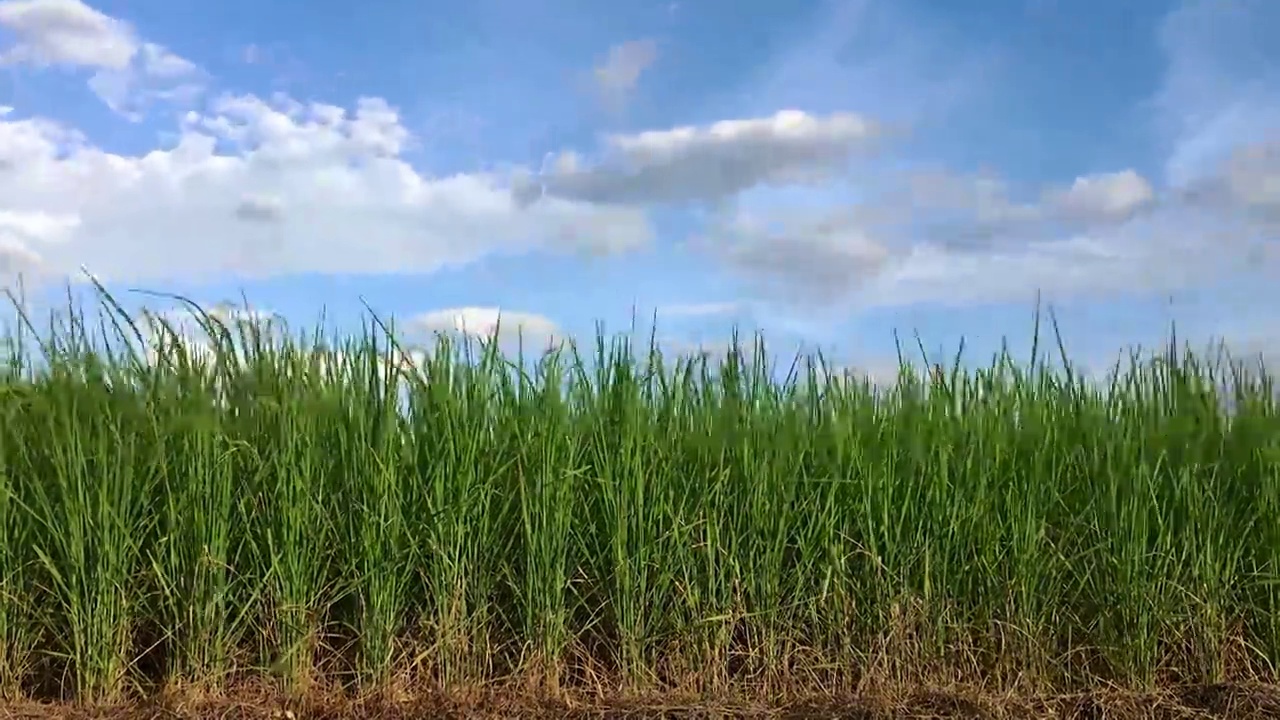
(614, 521)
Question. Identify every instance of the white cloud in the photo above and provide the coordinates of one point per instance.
(167, 333)
(173, 346)
(986, 195)
(260, 208)
(155, 74)
(1158, 255)
(944, 238)
(342, 199)
(65, 33)
(948, 238)
(618, 76)
(979, 246)
(18, 263)
(257, 187)
(964, 209)
(20, 232)
(186, 329)
(487, 323)
(1103, 198)
(129, 74)
(1218, 112)
(819, 258)
(877, 374)
(707, 163)
(1253, 177)
(181, 331)
(158, 62)
(1247, 184)
(1221, 85)
(688, 349)
(960, 209)
(252, 54)
(36, 226)
(226, 313)
(893, 246)
(699, 310)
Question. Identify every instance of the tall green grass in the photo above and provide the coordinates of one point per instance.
(319, 510)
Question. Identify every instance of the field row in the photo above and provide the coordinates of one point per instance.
(692, 522)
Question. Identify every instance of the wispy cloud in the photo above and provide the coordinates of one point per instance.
(618, 76)
(698, 310)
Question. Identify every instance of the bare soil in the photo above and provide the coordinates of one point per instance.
(1254, 702)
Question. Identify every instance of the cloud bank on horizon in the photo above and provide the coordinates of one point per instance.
(824, 170)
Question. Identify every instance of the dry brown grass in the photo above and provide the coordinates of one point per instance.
(262, 703)
(587, 689)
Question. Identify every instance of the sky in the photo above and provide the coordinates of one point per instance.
(824, 172)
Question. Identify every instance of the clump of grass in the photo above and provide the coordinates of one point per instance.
(312, 510)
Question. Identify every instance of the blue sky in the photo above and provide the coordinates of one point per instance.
(823, 171)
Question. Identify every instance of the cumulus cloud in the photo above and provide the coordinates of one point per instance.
(491, 323)
(260, 208)
(129, 74)
(255, 186)
(706, 163)
(183, 328)
(180, 332)
(20, 233)
(713, 350)
(876, 374)
(616, 78)
(225, 313)
(176, 333)
(1103, 198)
(326, 189)
(17, 263)
(66, 33)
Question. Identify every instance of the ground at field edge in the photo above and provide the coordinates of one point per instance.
(1254, 702)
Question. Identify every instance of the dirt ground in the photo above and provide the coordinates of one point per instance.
(1221, 701)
